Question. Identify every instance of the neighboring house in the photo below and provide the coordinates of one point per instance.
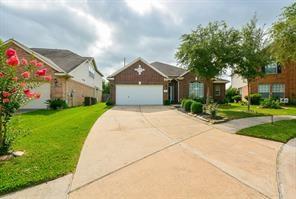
(142, 83)
(73, 76)
(279, 81)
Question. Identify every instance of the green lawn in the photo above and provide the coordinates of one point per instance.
(236, 111)
(51, 148)
(281, 131)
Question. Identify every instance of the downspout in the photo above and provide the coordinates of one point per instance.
(178, 91)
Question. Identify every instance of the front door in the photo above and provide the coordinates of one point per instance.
(172, 93)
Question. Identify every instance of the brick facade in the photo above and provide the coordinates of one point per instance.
(130, 76)
(151, 77)
(286, 77)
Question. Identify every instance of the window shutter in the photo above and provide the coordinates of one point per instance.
(279, 68)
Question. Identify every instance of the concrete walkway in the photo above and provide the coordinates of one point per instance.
(233, 126)
(157, 152)
(287, 170)
(56, 189)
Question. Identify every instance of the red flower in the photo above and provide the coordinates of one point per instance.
(37, 95)
(26, 75)
(23, 84)
(14, 79)
(1, 74)
(39, 64)
(13, 61)
(5, 94)
(41, 72)
(28, 93)
(33, 62)
(10, 52)
(48, 78)
(5, 100)
(24, 62)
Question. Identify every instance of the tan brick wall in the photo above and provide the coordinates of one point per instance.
(80, 91)
(287, 77)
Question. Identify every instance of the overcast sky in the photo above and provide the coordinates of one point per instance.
(110, 30)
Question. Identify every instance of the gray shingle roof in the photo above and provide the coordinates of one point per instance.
(65, 59)
(168, 70)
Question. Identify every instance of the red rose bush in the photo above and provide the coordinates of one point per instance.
(18, 76)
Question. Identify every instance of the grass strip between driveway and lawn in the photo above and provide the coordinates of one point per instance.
(281, 131)
(237, 111)
(52, 146)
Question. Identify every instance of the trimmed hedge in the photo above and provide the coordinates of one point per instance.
(255, 98)
(196, 107)
(187, 105)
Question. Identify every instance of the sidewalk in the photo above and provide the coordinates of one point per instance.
(287, 170)
(233, 126)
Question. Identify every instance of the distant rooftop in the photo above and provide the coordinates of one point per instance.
(66, 59)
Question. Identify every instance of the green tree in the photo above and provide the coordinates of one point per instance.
(208, 51)
(284, 35)
(106, 87)
(254, 53)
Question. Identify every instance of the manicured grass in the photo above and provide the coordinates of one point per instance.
(236, 111)
(52, 147)
(281, 131)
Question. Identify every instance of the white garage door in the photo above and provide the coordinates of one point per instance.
(139, 94)
(44, 91)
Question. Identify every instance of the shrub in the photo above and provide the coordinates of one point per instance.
(57, 104)
(221, 101)
(230, 93)
(166, 102)
(196, 107)
(187, 105)
(109, 102)
(255, 98)
(201, 100)
(237, 98)
(212, 109)
(270, 103)
(183, 103)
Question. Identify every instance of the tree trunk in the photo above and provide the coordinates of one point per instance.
(208, 92)
(249, 100)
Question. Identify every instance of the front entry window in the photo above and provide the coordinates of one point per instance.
(196, 90)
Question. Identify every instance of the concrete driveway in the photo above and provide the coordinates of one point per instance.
(157, 152)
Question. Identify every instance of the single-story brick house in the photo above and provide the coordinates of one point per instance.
(143, 83)
(73, 76)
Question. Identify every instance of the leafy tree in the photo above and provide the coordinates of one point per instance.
(106, 87)
(284, 35)
(209, 50)
(254, 53)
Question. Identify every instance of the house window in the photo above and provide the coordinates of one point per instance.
(91, 71)
(273, 68)
(196, 90)
(278, 90)
(264, 90)
(217, 90)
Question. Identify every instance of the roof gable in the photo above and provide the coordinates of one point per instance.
(133, 62)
